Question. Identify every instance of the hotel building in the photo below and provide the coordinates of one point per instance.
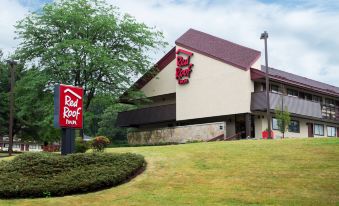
(208, 88)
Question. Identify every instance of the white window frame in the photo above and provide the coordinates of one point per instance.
(333, 129)
(275, 128)
(16, 146)
(32, 146)
(315, 131)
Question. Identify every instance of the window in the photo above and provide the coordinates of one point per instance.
(319, 129)
(331, 132)
(330, 102)
(292, 92)
(275, 124)
(274, 88)
(317, 98)
(306, 96)
(32, 146)
(16, 146)
(294, 126)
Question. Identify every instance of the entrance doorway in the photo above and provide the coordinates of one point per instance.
(310, 129)
(240, 125)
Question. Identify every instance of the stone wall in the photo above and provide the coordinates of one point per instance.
(180, 134)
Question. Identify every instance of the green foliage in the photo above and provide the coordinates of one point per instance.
(99, 143)
(94, 113)
(34, 107)
(4, 89)
(81, 146)
(283, 118)
(87, 43)
(46, 174)
(108, 121)
(79, 42)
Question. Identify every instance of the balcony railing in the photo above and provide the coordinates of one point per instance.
(330, 112)
(294, 105)
(149, 115)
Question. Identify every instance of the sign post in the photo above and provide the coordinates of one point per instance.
(68, 114)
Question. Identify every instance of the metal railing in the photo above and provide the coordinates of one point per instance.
(294, 105)
(330, 112)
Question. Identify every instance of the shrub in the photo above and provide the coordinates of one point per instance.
(51, 148)
(49, 174)
(80, 145)
(99, 143)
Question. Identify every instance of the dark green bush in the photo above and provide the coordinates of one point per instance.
(81, 146)
(46, 174)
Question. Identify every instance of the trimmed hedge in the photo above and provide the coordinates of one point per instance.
(46, 174)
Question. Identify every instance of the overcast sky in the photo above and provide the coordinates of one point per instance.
(303, 35)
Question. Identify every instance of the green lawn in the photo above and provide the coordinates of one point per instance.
(256, 172)
(3, 154)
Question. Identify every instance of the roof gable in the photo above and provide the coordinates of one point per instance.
(219, 49)
(160, 65)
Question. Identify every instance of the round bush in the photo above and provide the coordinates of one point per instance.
(81, 146)
(46, 174)
(99, 143)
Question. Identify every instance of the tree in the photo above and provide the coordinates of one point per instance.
(107, 125)
(32, 104)
(4, 89)
(34, 107)
(283, 118)
(95, 112)
(87, 43)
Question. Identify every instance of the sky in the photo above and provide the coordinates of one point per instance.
(303, 34)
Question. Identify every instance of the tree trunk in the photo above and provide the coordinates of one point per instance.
(81, 134)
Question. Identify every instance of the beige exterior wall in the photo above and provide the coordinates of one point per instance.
(261, 125)
(163, 83)
(258, 127)
(257, 64)
(214, 89)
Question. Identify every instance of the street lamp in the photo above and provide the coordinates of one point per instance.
(265, 36)
(12, 65)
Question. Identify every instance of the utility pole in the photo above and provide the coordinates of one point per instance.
(12, 65)
(268, 114)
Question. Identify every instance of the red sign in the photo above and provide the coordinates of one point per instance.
(70, 106)
(184, 68)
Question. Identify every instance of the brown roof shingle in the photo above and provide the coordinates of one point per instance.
(217, 48)
(312, 84)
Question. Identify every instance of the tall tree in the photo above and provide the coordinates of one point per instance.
(87, 43)
(34, 107)
(4, 89)
(33, 102)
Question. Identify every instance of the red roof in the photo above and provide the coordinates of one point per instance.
(219, 49)
(296, 80)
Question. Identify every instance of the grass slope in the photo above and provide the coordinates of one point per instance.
(271, 172)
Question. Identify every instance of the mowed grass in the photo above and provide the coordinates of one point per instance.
(248, 172)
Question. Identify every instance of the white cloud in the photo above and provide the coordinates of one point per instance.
(10, 12)
(302, 36)
(302, 39)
